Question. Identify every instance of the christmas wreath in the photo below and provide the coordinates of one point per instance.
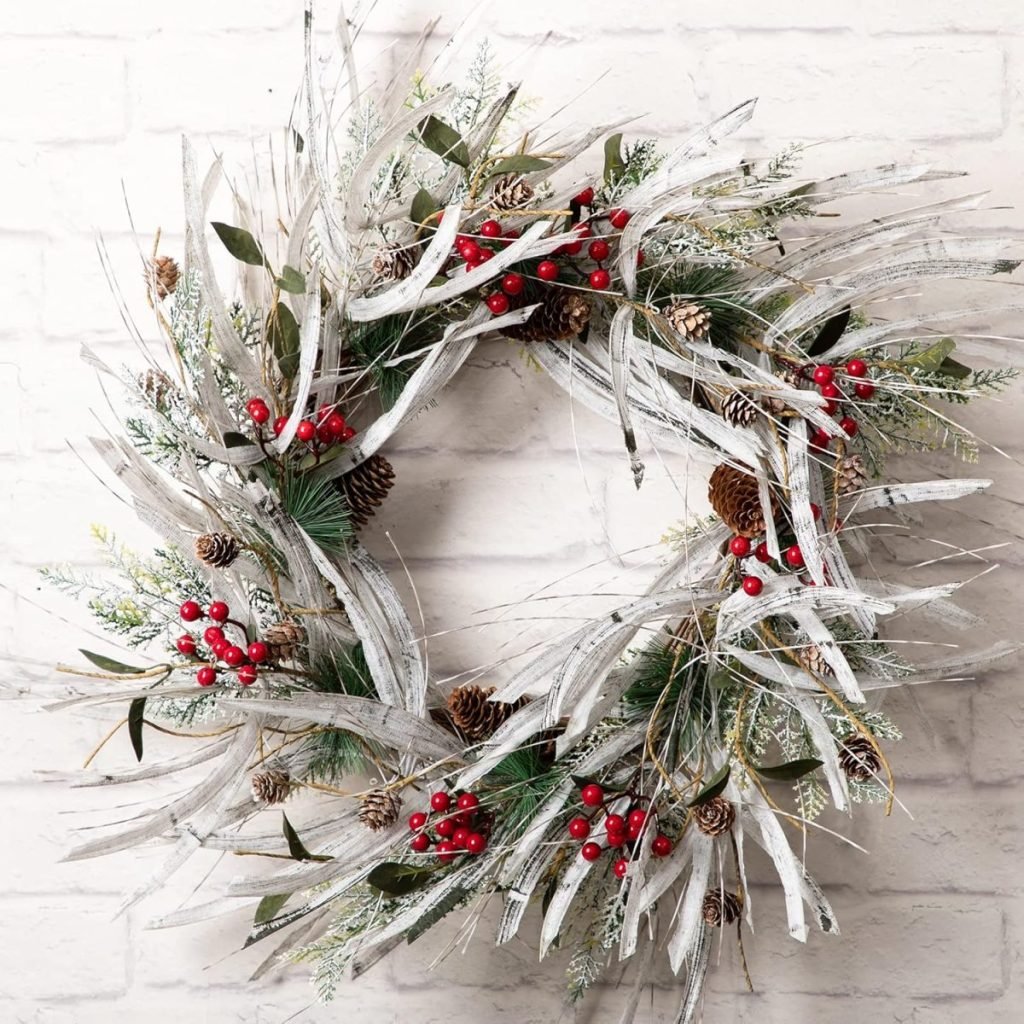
(616, 780)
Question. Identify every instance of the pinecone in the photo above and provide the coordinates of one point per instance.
(739, 410)
(714, 817)
(812, 659)
(475, 715)
(720, 907)
(271, 786)
(690, 319)
(859, 759)
(283, 639)
(367, 486)
(734, 495)
(379, 809)
(162, 276)
(562, 314)
(851, 474)
(393, 263)
(218, 550)
(776, 406)
(510, 192)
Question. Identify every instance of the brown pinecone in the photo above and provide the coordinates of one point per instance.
(851, 474)
(858, 758)
(562, 314)
(218, 550)
(271, 786)
(714, 817)
(776, 406)
(510, 192)
(688, 318)
(734, 495)
(739, 410)
(720, 907)
(284, 639)
(393, 263)
(475, 715)
(811, 658)
(366, 487)
(379, 809)
(162, 276)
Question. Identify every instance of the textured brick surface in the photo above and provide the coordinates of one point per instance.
(512, 500)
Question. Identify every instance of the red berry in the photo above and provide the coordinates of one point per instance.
(633, 832)
(185, 644)
(617, 839)
(598, 249)
(420, 843)
(323, 412)
(305, 431)
(484, 256)
(600, 279)
(592, 795)
(641, 257)
(258, 411)
(573, 248)
(467, 801)
(862, 389)
(335, 423)
(476, 843)
(661, 845)
(512, 234)
(586, 197)
(761, 553)
(347, 434)
(614, 823)
(440, 801)
(752, 585)
(258, 651)
(445, 851)
(619, 218)
(459, 837)
(821, 439)
(815, 511)
(219, 611)
(579, 828)
(219, 648)
(512, 284)
(279, 425)
(830, 391)
(417, 820)
(637, 818)
(233, 656)
(463, 820)
(190, 611)
(830, 407)
(857, 368)
(794, 556)
(206, 676)
(547, 270)
(497, 303)
(324, 434)
(490, 229)
(740, 547)
(823, 374)
(248, 674)
(590, 851)
(849, 425)
(212, 634)
(620, 867)
(461, 240)
(469, 251)
(446, 828)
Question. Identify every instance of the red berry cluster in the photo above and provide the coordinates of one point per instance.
(824, 376)
(742, 547)
(619, 830)
(454, 830)
(243, 660)
(329, 427)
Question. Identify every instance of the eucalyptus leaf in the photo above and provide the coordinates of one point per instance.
(240, 244)
(436, 913)
(136, 711)
(932, 358)
(715, 786)
(395, 879)
(791, 770)
(283, 332)
(423, 207)
(233, 439)
(269, 906)
(110, 665)
(292, 280)
(830, 333)
(951, 368)
(295, 847)
(521, 163)
(444, 140)
(614, 165)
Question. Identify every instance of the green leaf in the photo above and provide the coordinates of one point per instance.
(240, 244)
(789, 771)
(295, 847)
(395, 879)
(283, 332)
(614, 165)
(423, 208)
(951, 368)
(715, 786)
(136, 711)
(932, 358)
(444, 140)
(233, 439)
(432, 916)
(291, 280)
(109, 665)
(830, 333)
(521, 163)
(269, 906)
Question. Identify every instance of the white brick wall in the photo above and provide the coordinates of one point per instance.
(933, 919)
